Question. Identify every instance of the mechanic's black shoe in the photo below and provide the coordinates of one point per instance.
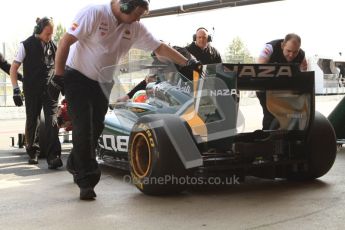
(54, 164)
(87, 194)
(33, 160)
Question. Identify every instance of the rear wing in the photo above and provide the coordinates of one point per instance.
(215, 113)
(271, 77)
(290, 93)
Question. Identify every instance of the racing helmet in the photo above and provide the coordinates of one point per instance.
(150, 90)
(140, 96)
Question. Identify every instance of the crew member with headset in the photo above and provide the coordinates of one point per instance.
(201, 48)
(37, 54)
(98, 37)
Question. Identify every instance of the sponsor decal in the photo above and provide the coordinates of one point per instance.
(103, 28)
(148, 132)
(74, 26)
(149, 135)
(295, 115)
(183, 87)
(266, 51)
(126, 34)
(223, 92)
(114, 143)
(260, 70)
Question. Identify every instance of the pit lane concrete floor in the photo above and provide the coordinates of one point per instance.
(33, 197)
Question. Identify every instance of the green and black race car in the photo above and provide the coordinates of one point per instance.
(191, 128)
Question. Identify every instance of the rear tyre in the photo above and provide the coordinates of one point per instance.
(154, 164)
(321, 150)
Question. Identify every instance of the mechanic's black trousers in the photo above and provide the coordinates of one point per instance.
(87, 106)
(33, 105)
(267, 121)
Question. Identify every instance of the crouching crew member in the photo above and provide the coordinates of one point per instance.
(280, 51)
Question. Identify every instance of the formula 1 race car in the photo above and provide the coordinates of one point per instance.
(192, 128)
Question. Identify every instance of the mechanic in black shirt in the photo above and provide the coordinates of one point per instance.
(285, 50)
(37, 54)
(5, 66)
(201, 48)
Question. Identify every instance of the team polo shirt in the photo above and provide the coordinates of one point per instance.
(20, 54)
(266, 52)
(102, 41)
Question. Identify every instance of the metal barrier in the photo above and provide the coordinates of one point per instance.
(6, 93)
(8, 110)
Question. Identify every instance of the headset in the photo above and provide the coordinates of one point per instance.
(127, 6)
(209, 38)
(41, 23)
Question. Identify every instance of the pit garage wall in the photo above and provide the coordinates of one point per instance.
(328, 80)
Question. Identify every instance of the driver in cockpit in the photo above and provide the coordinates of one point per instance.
(152, 77)
(141, 86)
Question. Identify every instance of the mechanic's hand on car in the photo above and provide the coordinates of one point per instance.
(17, 96)
(194, 65)
(55, 86)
